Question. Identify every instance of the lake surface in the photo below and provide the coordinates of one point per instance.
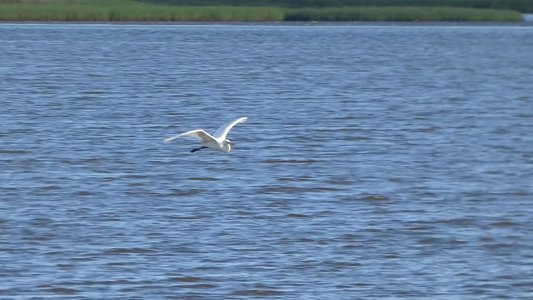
(378, 162)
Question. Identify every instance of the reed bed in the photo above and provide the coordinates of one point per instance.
(403, 14)
(128, 10)
(524, 6)
(131, 11)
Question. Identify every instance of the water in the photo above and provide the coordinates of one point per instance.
(377, 162)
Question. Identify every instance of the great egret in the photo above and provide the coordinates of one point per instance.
(218, 141)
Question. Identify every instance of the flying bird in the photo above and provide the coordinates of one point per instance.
(217, 141)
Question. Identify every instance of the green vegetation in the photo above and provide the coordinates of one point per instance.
(524, 6)
(401, 14)
(131, 10)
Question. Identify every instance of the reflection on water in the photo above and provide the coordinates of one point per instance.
(378, 161)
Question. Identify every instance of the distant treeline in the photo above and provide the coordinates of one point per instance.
(524, 6)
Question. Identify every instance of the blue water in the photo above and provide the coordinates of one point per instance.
(378, 162)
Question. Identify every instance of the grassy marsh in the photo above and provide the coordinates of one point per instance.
(524, 6)
(130, 10)
(403, 14)
(133, 11)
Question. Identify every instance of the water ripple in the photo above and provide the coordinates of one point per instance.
(377, 162)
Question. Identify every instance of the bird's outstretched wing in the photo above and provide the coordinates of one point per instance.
(197, 133)
(222, 132)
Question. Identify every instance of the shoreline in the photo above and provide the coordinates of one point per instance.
(276, 23)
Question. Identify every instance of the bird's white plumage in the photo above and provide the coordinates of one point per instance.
(198, 133)
(218, 141)
(222, 132)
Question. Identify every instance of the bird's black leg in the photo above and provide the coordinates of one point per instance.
(196, 149)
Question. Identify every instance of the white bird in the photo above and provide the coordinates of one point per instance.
(218, 141)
